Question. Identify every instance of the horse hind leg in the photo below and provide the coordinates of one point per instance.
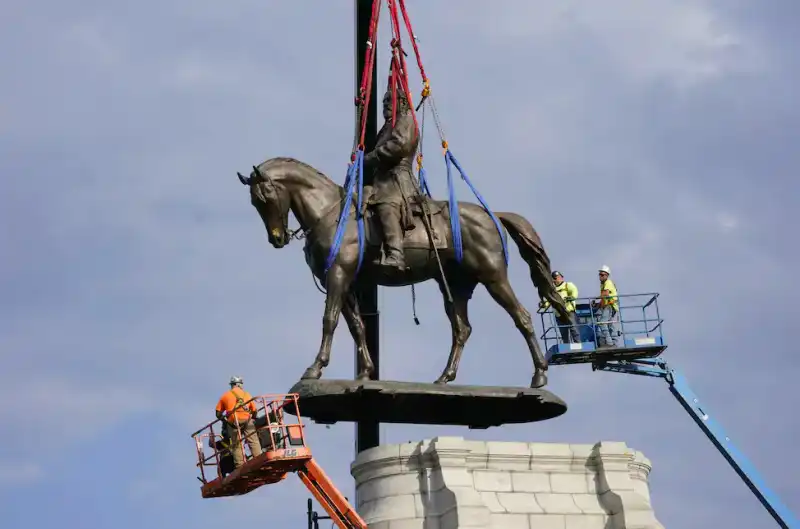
(503, 294)
(460, 327)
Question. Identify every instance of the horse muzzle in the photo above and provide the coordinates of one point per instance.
(279, 238)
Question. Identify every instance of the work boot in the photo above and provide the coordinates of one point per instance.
(389, 215)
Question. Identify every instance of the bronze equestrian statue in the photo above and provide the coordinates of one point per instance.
(281, 185)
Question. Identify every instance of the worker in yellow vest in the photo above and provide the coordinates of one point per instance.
(238, 415)
(568, 327)
(606, 310)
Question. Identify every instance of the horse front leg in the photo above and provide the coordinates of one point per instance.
(352, 315)
(337, 286)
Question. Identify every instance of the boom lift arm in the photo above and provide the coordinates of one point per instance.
(679, 387)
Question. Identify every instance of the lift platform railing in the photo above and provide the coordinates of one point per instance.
(638, 320)
(270, 417)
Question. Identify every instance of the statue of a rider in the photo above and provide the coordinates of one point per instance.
(391, 163)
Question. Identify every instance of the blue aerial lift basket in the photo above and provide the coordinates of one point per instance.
(638, 344)
(639, 332)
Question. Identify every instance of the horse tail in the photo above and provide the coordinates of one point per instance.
(532, 251)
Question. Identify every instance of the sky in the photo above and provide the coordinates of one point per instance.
(657, 137)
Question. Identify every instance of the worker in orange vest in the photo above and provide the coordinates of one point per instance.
(239, 418)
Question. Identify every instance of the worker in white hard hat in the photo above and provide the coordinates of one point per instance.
(569, 292)
(606, 310)
(237, 411)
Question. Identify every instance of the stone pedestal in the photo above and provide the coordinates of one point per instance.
(451, 483)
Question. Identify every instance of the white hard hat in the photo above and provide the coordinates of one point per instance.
(236, 380)
(605, 269)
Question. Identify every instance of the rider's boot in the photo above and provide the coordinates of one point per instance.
(389, 215)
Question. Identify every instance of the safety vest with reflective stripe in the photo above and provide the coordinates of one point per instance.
(608, 294)
(566, 290)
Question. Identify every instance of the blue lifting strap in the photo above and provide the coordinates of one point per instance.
(355, 176)
(423, 182)
(455, 220)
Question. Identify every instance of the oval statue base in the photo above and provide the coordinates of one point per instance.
(388, 401)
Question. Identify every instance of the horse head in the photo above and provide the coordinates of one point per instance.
(272, 203)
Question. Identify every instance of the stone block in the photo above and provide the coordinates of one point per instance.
(466, 517)
(478, 456)
(592, 479)
(589, 504)
(583, 452)
(586, 521)
(449, 477)
(411, 449)
(550, 450)
(492, 480)
(394, 485)
(613, 480)
(410, 523)
(636, 520)
(384, 509)
(508, 456)
(519, 502)
(547, 521)
(557, 503)
(568, 483)
(509, 521)
(530, 482)
(474, 516)
(491, 502)
(547, 457)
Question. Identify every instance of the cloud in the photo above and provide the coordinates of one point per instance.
(71, 410)
(684, 43)
(16, 474)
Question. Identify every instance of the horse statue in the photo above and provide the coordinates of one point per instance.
(280, 185)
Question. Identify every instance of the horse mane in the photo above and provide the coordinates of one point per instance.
(289, 160)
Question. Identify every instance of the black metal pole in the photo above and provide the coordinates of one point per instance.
(368, 432)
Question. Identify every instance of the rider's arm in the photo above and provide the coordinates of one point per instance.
(400, 144)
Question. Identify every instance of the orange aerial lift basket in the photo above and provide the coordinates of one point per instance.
(283, 450)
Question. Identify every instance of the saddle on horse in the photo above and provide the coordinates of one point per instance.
(412, 222)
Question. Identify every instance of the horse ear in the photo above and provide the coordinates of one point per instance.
(243, 179)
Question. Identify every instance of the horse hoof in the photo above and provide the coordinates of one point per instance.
(539, 380)
(312, 373)
(364, 375)
(447, 376)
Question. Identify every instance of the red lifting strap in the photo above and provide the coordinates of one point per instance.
(411, 35)
(399, 71)
(365, 90)
(398, 77)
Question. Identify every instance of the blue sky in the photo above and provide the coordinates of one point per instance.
(658, 137)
